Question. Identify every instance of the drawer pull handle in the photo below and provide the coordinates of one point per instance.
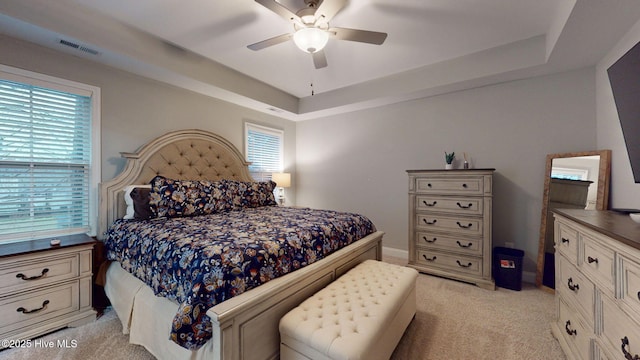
(24, 277)
(429, 185)
(572, 287)
(464, 186)
(565, 240)
(429, 241)
(627, 355)
(464, 207)
(432, 204)
(638, 295)
(426, 258)
(464, 226)
(462, 265)
(592, 260)
(25, 311)
(430, 223)
(568, 329)
(464, 246)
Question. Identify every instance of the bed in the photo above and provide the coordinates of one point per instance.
(244, 326)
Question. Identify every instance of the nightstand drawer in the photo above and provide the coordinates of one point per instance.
(462, 205)
(450, 224)
(31, 308)
(450, 185)
(458, 263)
(471, 246)
(37, 272)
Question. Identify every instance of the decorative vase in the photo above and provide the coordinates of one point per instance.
(448, 166)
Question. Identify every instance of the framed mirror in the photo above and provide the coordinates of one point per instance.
(572, 180)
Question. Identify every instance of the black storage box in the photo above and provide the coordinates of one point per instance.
(507, 268)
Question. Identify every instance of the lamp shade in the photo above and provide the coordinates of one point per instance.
(311, 39)
(281, 179)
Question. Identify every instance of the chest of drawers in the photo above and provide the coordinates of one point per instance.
(43, 287)
(450, 214)
(597, 284)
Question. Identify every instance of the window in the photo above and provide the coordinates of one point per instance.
(49, 156)
(569, 173)
(264, 149)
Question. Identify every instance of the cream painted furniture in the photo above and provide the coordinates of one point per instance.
(450, 214)
(245, 326)
(597, 284)
(361, 315)
(43, 287)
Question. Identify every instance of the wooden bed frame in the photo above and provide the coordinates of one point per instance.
(246, 326)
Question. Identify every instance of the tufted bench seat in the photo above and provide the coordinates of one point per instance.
(361, 315)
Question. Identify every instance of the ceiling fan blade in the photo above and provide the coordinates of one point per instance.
(319, 60)
(280, 10)
(270, 42)
(329, 8)
(365, 36)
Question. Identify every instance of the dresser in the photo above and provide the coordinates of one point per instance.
(44, 287)
(597, 284)
(450, 214)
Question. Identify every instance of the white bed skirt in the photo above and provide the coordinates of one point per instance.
(151, 325)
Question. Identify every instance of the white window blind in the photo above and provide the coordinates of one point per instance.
(45, 161)
(264, 149)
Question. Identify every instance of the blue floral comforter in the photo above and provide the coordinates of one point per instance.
(203, 260)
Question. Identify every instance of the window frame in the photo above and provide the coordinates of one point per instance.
(249, 126)
(46, 81)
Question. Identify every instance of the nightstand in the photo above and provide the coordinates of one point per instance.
(45, 287)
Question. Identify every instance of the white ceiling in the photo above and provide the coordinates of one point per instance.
(433, 46)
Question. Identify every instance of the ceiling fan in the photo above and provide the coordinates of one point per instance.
(311, 28)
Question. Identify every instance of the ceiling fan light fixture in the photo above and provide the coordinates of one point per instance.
(311, 39)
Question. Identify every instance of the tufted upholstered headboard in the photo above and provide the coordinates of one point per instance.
(184, 154)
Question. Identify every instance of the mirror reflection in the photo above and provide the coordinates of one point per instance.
(575, 181)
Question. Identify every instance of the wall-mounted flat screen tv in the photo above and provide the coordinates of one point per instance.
(624, 77)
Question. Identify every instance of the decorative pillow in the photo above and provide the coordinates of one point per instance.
(175, 198)
(137, 199)
(243, 194)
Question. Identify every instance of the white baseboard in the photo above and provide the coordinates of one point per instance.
(527, 276)
(402, 254)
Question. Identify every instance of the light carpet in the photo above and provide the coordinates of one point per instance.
(454, 320)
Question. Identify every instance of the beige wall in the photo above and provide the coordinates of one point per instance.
(624, 192)
(357, 161)
(136, 109)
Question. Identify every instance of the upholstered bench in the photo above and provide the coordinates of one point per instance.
(361, 315)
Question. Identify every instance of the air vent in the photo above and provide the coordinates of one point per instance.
(79, 47)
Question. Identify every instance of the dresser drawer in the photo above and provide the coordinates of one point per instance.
(598, 263)
(459, 263)
(630, 285)
(599, 353)
(450, 224)
(574, 331)
(470, 246)
(566, 239)
(450, 185)
(458, 205)
(576, 289)
(34, 307)
(617, 326)
(37, 272)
